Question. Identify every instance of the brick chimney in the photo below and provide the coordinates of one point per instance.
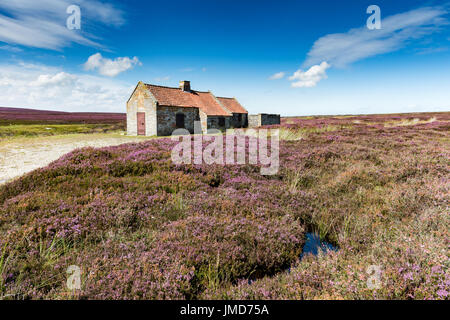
(185, 85)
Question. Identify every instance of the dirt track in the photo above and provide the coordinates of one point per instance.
(21, 155)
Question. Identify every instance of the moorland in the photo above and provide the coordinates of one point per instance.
(142, 227)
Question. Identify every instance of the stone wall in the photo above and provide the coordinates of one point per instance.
(269, 119)
(213, 122)
(132, 118)
(263, 119)
(166, 119)
(204, 121)
(141, 101)
(254, 120)
(235, 122)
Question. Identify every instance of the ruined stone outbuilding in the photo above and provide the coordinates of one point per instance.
(154, 110)
(263, 119)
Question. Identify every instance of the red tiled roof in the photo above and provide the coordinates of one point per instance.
(232, 105)
(210, 106)
(205, 101)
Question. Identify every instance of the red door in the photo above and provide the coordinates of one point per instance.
(141, 123)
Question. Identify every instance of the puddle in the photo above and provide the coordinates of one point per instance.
(313, 244)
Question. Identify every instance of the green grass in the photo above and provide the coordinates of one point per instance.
(28, 130)
(3, 262)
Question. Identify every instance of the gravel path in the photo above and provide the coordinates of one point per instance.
(21, 155)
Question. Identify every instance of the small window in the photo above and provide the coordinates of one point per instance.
(221, 122)
(180, 120)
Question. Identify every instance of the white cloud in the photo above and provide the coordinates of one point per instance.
(162, 79)
(42, 24)
(341, 49)
(59, 79)
(39, 33)
(38, 86)
(278, 75)
(91, 9)
(108, 67)
(431, 50)
(309, 78)
(10, 48)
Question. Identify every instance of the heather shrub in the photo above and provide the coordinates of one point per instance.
(141, 227)
(233, 247)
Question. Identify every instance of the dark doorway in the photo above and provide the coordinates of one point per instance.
(239, 120)
(141, 123)
(221, 122)
(180, 120)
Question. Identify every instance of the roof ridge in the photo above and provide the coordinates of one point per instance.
(220, 103)
(176, 88)
(156, 85)
(233, 105)
(226, 98)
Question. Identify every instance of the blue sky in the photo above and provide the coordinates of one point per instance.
(289, 57)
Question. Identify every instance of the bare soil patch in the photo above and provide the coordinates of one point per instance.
(21, 155)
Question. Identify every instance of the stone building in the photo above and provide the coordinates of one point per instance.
(158, 110)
